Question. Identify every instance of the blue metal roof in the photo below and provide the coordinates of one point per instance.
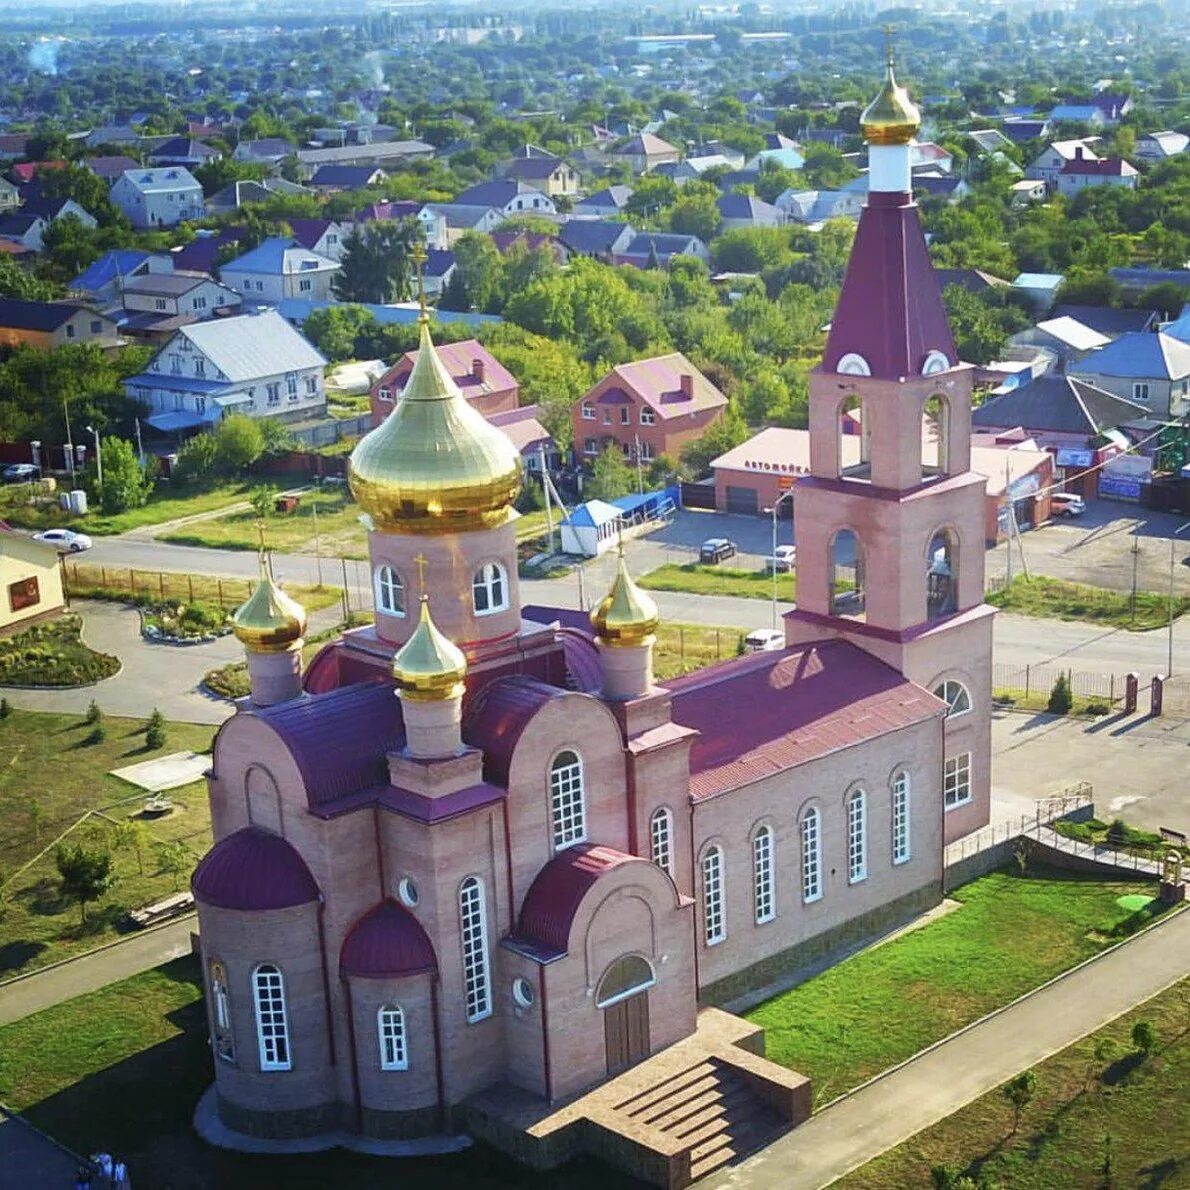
(177, 420)
(1140, 355)
(297, 310)
(119, 262)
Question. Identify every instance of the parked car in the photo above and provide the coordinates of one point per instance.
(20, 473)
(716, 549)
(783, 560)
(67, 540)
(761, 640)
(1067, 504)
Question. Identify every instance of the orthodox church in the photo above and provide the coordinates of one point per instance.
(476, 845)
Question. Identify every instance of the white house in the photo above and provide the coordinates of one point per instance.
(158, 197)
(1158, 146)
(280, 268)
(177, 295)
(1050, 162)
(510, 196)
(255, 364)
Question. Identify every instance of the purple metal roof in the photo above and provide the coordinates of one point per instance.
(499, 714)
(387, 943)
(890, 308)
(253, 870)
(554, 897)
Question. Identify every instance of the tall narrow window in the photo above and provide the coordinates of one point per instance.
(900, 817)
(390, 591)
(857, 837)
(567, 807)
(272, 1028)
(714, 918)
(390, 1025)
(221, 1010)
(762, 875)
(811, 856)
(956, 780)
(661, 831)
(489, 589)
(477, 986)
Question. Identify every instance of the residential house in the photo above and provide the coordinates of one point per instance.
(656, 249)
(23, 229)
(1109, 321)
(647, 408)
(109, 169)
(156, 304)
(53, 324)
(778, 151)
(333, 178)
(101, 281)
(13, 145)
(10, 196)
(716, 148)
(1039, 288)
(158, 197)
(183, 150)
(279, 268)
(235, 195)
(1020, 129)
(509, 196)
(1079, 113)
(644, 151)
(1160, 146)
(1050, 162)
(746, 210)
(269, 150)
(325, 237)
(1133, 281)
(30, 581)
(1065, 340)
(389, 153)
(112, 134)
(817, 206)
(952, 189)
(1152, 370)
(926, 155)
(25, 172)
(690, 169)
(487, 385)
(547, 173)
(606, 203)
(203, 253)
(433, 224)
(972, 280)
(1028, 190)
(989, 140)
(523, 428)
(1080, 173)
(52, 209)
(255, 364)
(1113, 105)
(460, 218)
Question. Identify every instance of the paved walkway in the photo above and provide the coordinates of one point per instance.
(29, 1158)
(936, 1084)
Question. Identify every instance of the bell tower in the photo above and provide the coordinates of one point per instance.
(890, 537)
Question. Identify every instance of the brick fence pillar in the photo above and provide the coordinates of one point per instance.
(1131, 692)
(1158, 693)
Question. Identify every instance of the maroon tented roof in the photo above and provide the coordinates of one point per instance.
(771, 711)
(387, 943)
(890, 307)
(499, 714)
(253, 870)
(554, 897)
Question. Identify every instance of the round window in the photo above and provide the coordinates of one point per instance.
(407, 891)
(522, 992)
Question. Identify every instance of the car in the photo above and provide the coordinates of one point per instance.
(67, 541)
(763, 640)
(1067, 504)
(715, 549)
(20, 473)
(783, 560)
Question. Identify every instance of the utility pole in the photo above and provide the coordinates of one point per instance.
(69, 440)
(140, 450)
(317, 535)
(1172, 558)
(640, 483)
(545, 488)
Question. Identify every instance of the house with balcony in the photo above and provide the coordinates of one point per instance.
(161, 197)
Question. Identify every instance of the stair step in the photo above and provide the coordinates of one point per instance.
(710, 1125)
(668, 1113)
(681, 1119)
(643, 1099)
(735, 1143)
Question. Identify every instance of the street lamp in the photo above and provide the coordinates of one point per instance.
(1172, 550)
(773, 555)
(98, 455)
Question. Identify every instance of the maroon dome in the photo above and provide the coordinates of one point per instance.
(387, 942)
(253, 870)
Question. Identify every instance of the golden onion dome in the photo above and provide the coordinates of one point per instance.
(434, 465)
(270, 621)
(627, 615)
(428, 666)
(892, 117)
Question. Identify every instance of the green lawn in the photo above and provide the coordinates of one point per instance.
(53, 654)
(1058, 599)
(719, 580)
(1011, 934)
(1097, 1088)
(50, 776)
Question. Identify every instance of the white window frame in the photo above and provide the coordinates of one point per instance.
(490, 580)
(647, 416)
(956, 696)
(473, 933)
(389, 590)
(661, 834)
(568, 803)
(811, 832)
(272, 1019)
(956, 780)
(764, 897)
(900, 790)
(390, 1034)
(714, 907)
(857, 837)
(588, 411)
(1140, 390)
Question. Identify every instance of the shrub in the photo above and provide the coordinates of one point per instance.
(1098, 708)
(156, 719)
(1061, 701)
(94, 714)
(1144, 1037)
(155, 736)
(5, 708)
(98, 734)
(1117, 833)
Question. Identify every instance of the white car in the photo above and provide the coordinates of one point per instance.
(763, 640)
(67, 541)
(784, 560)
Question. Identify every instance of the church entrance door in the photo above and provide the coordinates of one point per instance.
(626, 1032)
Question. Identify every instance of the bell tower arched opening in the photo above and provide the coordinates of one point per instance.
(853, 440)
(942, 575)
(847, 596)
(935, 436)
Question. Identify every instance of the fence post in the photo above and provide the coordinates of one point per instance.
(132, 581)
(161, 583)
(1027, 680)
(717, 653)
(219, 589)
(190, 587)
(681, 643)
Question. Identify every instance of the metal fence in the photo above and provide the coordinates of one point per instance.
(1040, 679)
(326, 433)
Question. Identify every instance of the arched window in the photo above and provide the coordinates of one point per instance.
(390, 1026)
(942, 575)
(853, 439)
(477, 986)
(567, 803)
(811, 856)
(900, 817)
(661, 832)
(714, 910)
(857, 837)
(763, 898)
(847, 596)
(935, 436)
(390, 591)
(955, 695)
(221, 1011)
(625, 977)
(272, 1027)
(489, 589)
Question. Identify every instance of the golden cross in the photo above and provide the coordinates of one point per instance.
(262, 551)
(889, 30)
(417, 254)
(421, 562)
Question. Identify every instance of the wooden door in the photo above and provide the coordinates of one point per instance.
(626, 1032)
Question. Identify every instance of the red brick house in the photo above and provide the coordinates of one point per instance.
(488, 386)
(654, 406)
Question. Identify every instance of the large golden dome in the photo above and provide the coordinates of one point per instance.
(434, 465)
(429, 666)
(892, 117)
(270, 621)
(627, 615)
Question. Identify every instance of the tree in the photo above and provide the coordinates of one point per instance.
(1060, 700)
(479, 269)
(730, 430)
(1019, 1092)
(86, 874)
(239, 442)
(611, 476)
(695, 214)
(174, 858)
(131, 833)
(126, 484)
(18, 282)
(1144, 1037)
(375, 266)
(335, 330)
(155, 736)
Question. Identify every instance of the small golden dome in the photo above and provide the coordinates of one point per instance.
(892, 117)
(434, 465)
(627, 615)
(428, 666)
(270, 621)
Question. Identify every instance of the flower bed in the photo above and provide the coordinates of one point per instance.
(184, 623)
(53, 654)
